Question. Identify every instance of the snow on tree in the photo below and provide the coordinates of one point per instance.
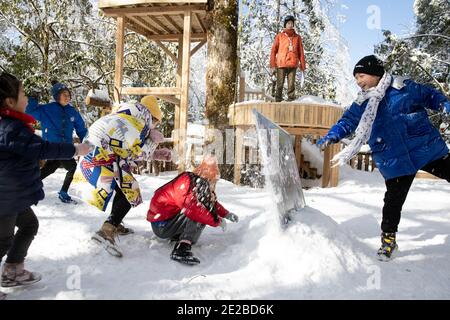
(424, 55)
(326, 52)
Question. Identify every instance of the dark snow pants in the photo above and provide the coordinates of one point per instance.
(50, 167)
(16, 245)
(398, 188)
(120, 207)
(282, 73)
(178, 228)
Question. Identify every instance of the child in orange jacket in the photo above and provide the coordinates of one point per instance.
(285, 57)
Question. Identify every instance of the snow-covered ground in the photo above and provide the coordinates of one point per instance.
(327, 252)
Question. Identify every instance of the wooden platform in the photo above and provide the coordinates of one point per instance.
(297, 119)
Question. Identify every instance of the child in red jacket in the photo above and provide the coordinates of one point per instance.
(180, 209)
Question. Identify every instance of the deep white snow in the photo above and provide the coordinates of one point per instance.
(327, 252)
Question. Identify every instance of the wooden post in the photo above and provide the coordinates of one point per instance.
(176, 125)
(118, 73)
(326, 170)
(360, 160)
(366, 161)
(184, 103)
(238, 154)
(334, 174)
(178, 82)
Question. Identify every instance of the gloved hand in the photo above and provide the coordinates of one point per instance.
(447, 107)
(223, 225)
(156, 136)
(232, 217)
(327, 140)
(162, 154)
(35, 93)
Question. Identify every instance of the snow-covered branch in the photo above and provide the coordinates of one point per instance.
(428, 35)
(22, 32)
(84, 43)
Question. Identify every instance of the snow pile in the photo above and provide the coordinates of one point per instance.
(100, 95)
(252, 102)
(327, 252)
(309, 99)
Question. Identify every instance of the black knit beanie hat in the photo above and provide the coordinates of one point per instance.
(288, 18)
(369, 65)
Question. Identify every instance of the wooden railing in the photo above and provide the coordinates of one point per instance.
(248, 94)
(362, 161)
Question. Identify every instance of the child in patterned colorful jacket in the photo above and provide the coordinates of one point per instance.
(120, 138)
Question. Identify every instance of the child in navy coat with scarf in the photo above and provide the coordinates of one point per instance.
(20, 183)
(390, 115)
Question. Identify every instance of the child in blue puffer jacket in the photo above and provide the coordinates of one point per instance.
(390, 115)
(20, 184)
(58, 121)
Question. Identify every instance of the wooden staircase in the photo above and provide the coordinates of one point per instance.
(305, 170)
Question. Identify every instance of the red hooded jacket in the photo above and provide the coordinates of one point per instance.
(181, 195)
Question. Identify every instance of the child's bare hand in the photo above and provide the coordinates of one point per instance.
(82, 149)
(156, 136)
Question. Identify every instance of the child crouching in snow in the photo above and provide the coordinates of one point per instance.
(180, 209)
(20, 182)
(120, 139)
(390, 114)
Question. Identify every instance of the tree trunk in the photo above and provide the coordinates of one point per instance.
(221, 69)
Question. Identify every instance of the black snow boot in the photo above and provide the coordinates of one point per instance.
(182, 253)
(388, 246)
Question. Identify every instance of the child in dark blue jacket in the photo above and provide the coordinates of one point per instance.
(58, 121)
(390, 115)
(20, 183)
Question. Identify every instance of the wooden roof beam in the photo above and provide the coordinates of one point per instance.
(167, 51)
(150, 90)
(200, 22)
(161, 25)
(143, 24)
(197, 47)
(116, 3)
(152, 11)
(175, 37)
(137, 29)
(173, 23)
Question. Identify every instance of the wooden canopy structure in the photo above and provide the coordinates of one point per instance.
(161, 21)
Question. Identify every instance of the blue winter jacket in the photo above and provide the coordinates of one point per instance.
(403, 140)
(57, 122)
(20, 152)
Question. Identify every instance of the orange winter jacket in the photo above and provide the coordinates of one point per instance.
(281, 56)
